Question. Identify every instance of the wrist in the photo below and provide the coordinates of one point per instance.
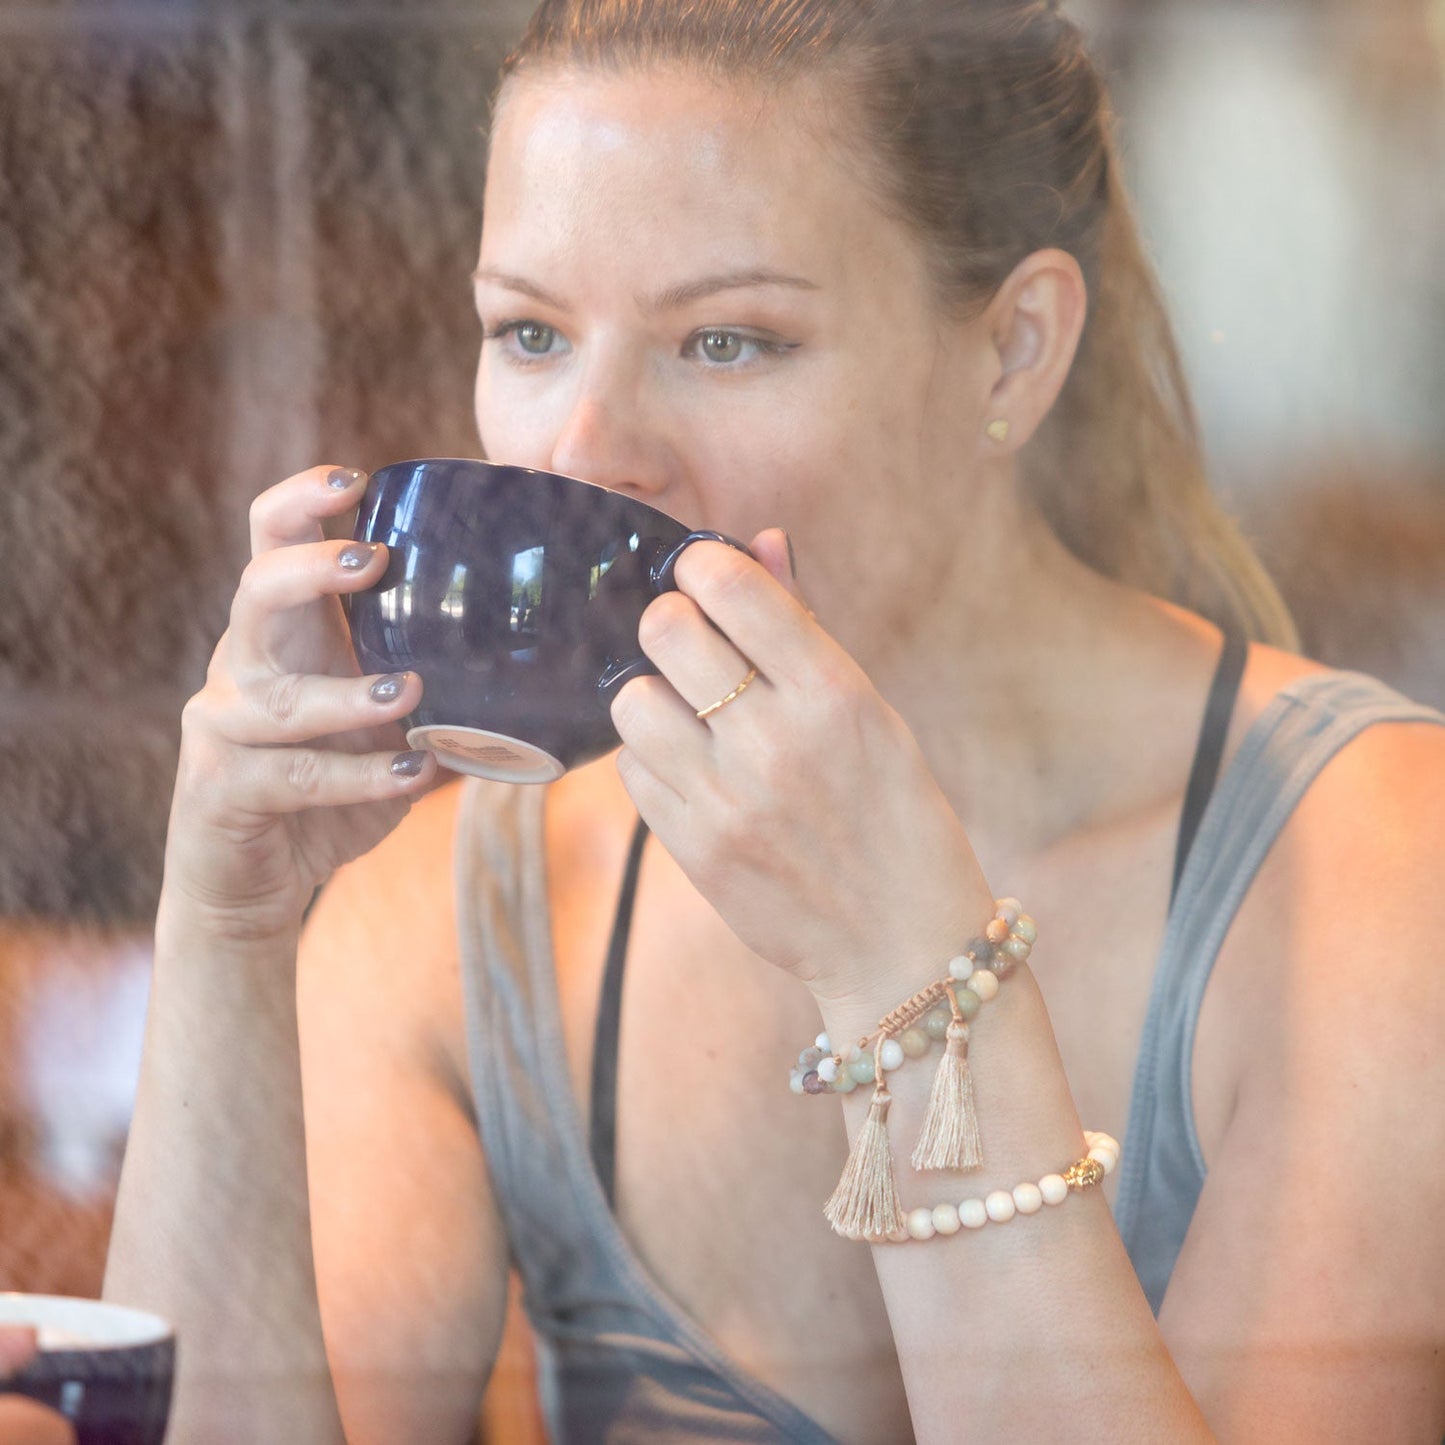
(203, 932)
(996, 938)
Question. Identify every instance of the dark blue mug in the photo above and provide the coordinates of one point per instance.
(515, 595)
(107, 1368)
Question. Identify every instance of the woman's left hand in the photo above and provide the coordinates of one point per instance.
(803, 810)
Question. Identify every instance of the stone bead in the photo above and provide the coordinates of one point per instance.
(810, 1059)
(914, 1042)
(1028, 1198)
(821, 1042)
(1000, 1206)
(796, 1082)
(984, 984)
(1027, 929)
(945, 1218)
(828, 1070)
(969, 1003)
(960, 967)
(899, 1235)
(1017, 948)
(973, 1213)
(996, 931)
(812, 1084)
(1007, 910)
(1106, 1157)
(935, 1025)
(920, 1223)
(845, 1083)
(1053, 1188)
(890, 1055)
(862, 1068)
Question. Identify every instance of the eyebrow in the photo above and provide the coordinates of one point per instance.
(668, 300)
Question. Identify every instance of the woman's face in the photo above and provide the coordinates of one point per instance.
(690, 297)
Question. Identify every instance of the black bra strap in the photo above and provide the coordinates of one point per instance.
(603, 1130)
(1210, 749)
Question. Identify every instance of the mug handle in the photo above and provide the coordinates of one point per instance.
(619, 674)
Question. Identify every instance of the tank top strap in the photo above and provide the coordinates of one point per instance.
(1162, 1169)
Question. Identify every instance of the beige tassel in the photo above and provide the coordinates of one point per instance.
(865, 1203)
(949, 1137)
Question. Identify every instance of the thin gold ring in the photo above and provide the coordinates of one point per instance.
(733, 696)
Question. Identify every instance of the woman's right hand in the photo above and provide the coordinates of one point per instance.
(291, 762)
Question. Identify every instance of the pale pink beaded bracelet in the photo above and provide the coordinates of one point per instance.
(1002, 1205)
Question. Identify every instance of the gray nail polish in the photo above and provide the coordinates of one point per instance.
(356, 556)
(407, 765)
(388, 689)
(792, 556)
(339, 478)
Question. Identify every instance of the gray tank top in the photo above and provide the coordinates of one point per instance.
(619, 1361)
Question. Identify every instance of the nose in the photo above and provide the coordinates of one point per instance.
(607, 438)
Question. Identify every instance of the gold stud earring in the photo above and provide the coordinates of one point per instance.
(998, 430)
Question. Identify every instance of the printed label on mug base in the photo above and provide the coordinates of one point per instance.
(487, 755)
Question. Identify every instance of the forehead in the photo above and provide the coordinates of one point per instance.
(663, 167)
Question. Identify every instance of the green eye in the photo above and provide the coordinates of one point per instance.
(721, 346)
(534, 338)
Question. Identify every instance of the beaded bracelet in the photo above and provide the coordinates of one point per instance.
(865, 1203)
(1002, 1205)
(924, 1019)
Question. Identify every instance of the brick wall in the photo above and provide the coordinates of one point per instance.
(234, 241)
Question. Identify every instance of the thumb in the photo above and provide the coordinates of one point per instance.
(774, 550)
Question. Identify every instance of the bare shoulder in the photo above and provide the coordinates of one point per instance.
(1307, 1301)
(1350, 888)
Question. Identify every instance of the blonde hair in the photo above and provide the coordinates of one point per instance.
(988, 130)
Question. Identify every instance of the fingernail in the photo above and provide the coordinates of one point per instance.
(388, 689)
(339, 478)
(407, 765)
(792, 556)
(356, 556)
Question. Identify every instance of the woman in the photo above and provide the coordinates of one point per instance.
(859, 282)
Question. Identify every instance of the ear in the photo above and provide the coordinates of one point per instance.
(1035, 320)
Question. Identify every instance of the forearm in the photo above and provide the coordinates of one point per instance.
(1031, 1329)
(211, 1226)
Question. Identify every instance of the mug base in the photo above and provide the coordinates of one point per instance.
(484, 754)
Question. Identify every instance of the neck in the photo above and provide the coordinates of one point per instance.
(1046, 698)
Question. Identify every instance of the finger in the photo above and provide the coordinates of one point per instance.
(293, 511)
(661, 730)
(700, 663)
(290, 780)
(24, 1422)
(18, 1346)
(773, 549)
(765, 621)
(278, 581)
(658, 805)
(293, 707)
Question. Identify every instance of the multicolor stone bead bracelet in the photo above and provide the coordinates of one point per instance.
(865, 1203)
(1002, 1205)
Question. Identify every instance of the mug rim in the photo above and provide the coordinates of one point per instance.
(536, 471)
(135, 1328)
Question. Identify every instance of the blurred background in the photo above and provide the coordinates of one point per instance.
(234, 241)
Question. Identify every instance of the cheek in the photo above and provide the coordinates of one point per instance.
(513, 424)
